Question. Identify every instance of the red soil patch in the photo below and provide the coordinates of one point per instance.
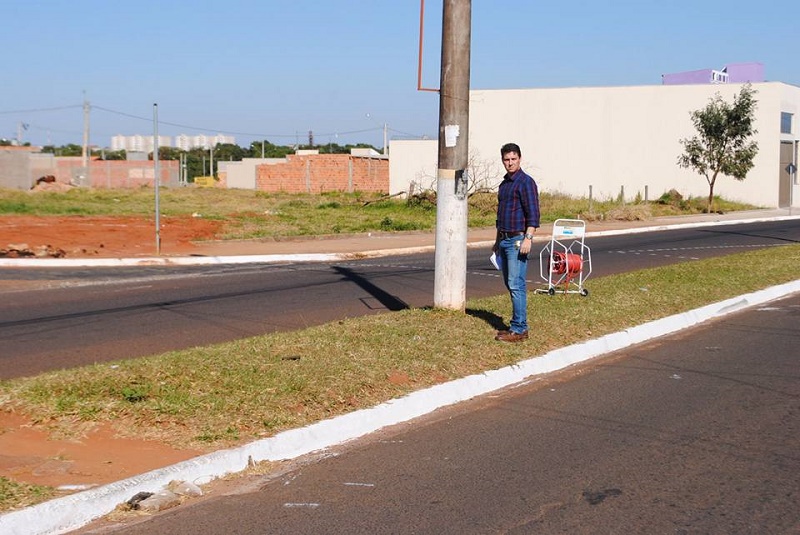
(29, 455)
(106, 236)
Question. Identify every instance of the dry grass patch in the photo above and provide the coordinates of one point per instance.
(257, 215)
(14, 495)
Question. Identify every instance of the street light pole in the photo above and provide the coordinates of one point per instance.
(450, 275)
(156, 173)
(85, 152)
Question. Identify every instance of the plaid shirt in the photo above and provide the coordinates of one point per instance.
(517, 203)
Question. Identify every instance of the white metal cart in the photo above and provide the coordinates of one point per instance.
(566, 261)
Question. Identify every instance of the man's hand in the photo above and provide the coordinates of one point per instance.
(527, 242)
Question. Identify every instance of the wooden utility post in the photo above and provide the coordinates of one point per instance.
(451, 192)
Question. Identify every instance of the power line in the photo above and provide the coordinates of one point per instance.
(230, 132)
(49, 129)
(202, 129)
(405, 133)
(37, 110)
(251, 134)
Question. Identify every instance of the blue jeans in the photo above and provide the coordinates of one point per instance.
(515, 269)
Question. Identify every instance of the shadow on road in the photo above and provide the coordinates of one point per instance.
(385, 298)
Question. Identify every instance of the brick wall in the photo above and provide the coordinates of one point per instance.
(115, 174)
(317, 173)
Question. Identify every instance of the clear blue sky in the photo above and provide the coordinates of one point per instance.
(273, 69)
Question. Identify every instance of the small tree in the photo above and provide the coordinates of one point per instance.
(723, 143)
(482, 176)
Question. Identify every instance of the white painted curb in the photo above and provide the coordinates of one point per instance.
(166, 260)
(677, 226)
(71, 512)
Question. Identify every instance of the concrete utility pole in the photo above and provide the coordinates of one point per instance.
(20, 128)
(450, 276)
(157, 175)
(85, 151)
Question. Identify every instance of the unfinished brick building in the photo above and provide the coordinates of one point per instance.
(317, 173)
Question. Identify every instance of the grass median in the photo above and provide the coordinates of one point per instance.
(217, 396)
(212, 397)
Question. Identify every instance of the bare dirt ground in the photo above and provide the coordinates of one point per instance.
(102, 236)
(27, 453)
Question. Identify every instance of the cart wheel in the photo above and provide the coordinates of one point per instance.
(584, 292)
(551, 291)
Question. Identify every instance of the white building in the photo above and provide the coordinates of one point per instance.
(138, 143)
(185, 142)
(618, 139)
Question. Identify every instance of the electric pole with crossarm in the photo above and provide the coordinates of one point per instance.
(450, 276)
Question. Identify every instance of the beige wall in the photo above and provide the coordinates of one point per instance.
(242, 175)
(617, 137)
(417, 160)
(115, 173)
(412, 161)
(21, 166)
(611, 138)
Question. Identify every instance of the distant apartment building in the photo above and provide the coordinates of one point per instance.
(185, 142)
(141, 143)
(138, 143)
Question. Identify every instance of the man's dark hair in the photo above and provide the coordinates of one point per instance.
(510, 147)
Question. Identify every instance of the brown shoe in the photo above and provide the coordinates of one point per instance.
(512, 337)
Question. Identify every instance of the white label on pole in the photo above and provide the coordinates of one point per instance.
(450, 135)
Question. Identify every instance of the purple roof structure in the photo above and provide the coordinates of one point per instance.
(733, 73)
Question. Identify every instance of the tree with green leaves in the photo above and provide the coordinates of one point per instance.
(723, 143)
(71, 149)
(111, 154)
(229, 152)
(266, 149)
(167, 153)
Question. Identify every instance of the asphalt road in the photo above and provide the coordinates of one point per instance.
(693, 433)
(104, 314)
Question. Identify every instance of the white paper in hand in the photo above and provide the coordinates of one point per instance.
(497, 261)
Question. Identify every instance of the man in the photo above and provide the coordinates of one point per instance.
(517, 220)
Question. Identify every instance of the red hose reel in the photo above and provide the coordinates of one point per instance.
(566, 263)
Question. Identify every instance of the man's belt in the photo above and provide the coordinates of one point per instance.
(507, 235)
